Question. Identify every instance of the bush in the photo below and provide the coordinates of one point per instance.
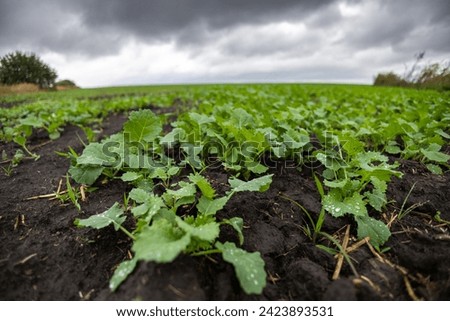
(389, 79)
(19, 67)
(432, 76)
(65, 83)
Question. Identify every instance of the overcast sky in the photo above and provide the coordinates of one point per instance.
(124, 42)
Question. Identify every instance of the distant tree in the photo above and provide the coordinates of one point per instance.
(65, 83)
(19, 67)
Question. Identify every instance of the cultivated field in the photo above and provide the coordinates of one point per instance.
(225, 192)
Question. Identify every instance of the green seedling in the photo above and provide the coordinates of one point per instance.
(312, 228)
(7, 169)
(438, 218)
(91, 135)
(341, 251)
(72, 194)
(126, 200)
(235, 127)
(403, 212)
(161, 235)
(356, 178)
(14, 162)
(21, 141)
(71, 154)
(162, 231)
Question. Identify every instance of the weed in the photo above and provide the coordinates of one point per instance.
(438, 218)
(72, 194)
(403, 212)
(15, 161)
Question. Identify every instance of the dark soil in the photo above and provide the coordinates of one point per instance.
(43, 256)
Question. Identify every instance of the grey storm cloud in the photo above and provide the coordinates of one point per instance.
(162, 18)
(98, 27)
(219, 32)
(397, 23)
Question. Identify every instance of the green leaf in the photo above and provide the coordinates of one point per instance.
(17, 158)
(184, 201)
(258, 168)
(352, 146)
(142, 126)
(392, 147)
(150, 204)
(160, 173)
(186, 190)
(94, 154)
(207, 206)
(145, 184)
(336, 206)
(435, 169)
(172, 171)
(20, 140)
(240, 118)
(121, 273)
(173, 137)
(204, 186)
(130, 176)
(181, 196)
(377, 198)
(249, 267)
(140, 210)
(161, 242)
(71, 192)
(207, 232)
(365, 160)
(54, 135)
(331, 162)
(150, 208)
(295, 138)
(260, 184)
(442, 133)
(329, 174)
(336, 183)
(111, 216)
(374, 164)
(166, 214)
(32, 120)
(432, 153)
(319, 185)
(85, 174)
(139, 195)
(377, 231)
(238, 224)
(201, 119)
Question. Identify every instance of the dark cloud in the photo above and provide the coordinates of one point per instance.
(160, 18)
(99, 26)
(50, 25)
(403, 25)
(222, 32)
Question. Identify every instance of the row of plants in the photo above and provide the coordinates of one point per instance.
(51, 115)
(180, 220)
(237, 138)
(345, 134)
